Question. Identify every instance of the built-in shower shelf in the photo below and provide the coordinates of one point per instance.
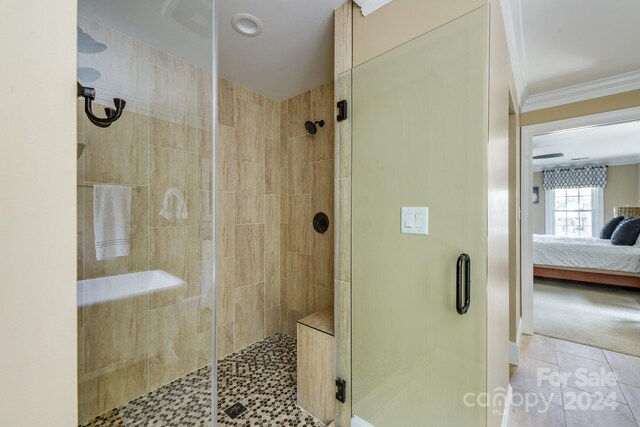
(122, 286)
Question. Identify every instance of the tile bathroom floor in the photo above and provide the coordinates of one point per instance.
(559, 383)
(261, 376)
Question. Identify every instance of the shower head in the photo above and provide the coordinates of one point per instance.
(87, 44)
(311, 126)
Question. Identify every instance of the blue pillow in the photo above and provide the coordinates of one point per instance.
(610, 227)
(626, 232)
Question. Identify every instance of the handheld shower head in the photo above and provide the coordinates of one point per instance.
(311, 126)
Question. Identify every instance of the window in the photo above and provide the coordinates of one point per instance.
(574, 212)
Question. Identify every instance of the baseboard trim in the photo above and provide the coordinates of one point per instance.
(506, 416)
(359, 422)
(514, 347)
(514, 351)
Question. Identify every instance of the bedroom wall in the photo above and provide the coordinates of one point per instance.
(623, 189)
(619, 101)
(538, 208)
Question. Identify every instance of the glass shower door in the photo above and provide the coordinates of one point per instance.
(420, 117)
(145, 185)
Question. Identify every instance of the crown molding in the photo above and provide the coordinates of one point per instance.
(512, 17)
(617, 162)
(584, 91)
(370, 6)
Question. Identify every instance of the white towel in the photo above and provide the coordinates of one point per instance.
(173, 205)
(111, 220)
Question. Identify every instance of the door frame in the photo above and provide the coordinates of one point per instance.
(526, 180)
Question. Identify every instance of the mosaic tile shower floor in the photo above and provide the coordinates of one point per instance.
(262, 377)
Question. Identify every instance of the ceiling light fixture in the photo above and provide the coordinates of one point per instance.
(246, 24)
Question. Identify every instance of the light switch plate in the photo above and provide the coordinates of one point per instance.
(414, 220)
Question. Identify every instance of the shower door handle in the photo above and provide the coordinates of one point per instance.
(463, 301)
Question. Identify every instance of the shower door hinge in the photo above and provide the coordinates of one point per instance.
(342, 110)
(342, 390)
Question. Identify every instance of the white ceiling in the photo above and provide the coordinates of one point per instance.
(143, 20)
(294, 53)
(611, 144)
(556, 44)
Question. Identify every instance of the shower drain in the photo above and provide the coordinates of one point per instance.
(235, 410)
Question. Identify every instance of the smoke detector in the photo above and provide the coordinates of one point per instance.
(246, 24)
(193, 14)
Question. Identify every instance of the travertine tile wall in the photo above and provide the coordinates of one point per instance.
(131, 346)
(248, 222)
(306, 187)
(272, 176)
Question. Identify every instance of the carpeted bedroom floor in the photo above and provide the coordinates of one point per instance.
(600, 316)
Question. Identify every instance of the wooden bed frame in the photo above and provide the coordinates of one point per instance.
(603, 277)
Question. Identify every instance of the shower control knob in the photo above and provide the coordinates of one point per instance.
(320, 222)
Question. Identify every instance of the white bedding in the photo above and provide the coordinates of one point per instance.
(584, 252)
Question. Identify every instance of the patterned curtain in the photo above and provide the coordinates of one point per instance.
(579, 177)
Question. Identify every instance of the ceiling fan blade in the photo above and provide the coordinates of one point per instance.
(548, 156)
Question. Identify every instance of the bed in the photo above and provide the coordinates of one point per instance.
(591, 260)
